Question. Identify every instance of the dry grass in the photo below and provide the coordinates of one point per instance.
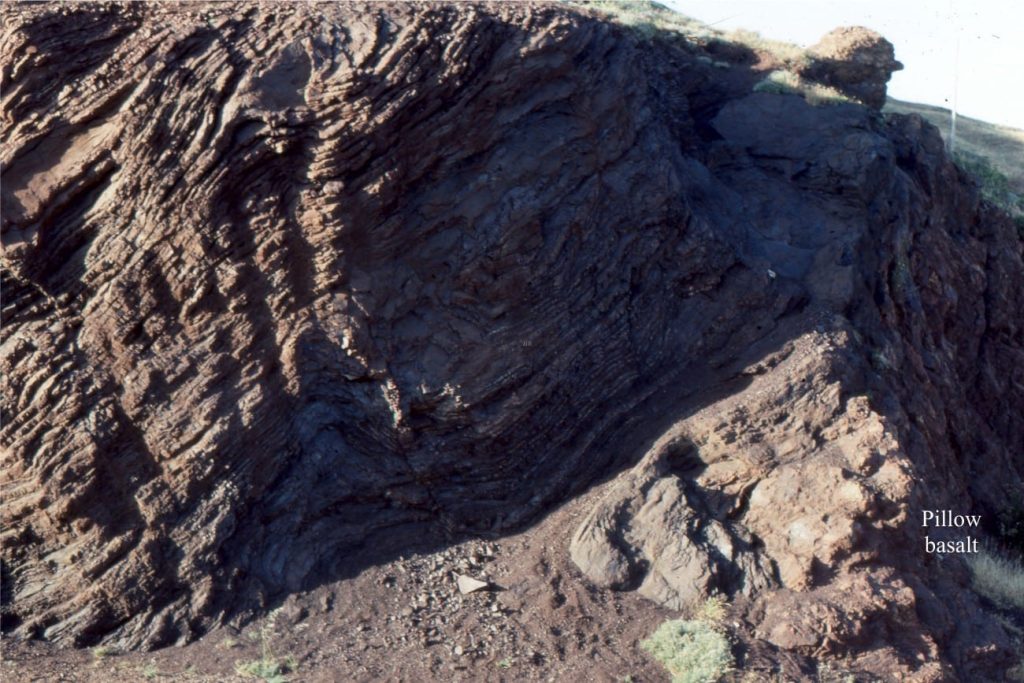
(268, 668)
(1002, 146)
(784, 81)
(103, 651)
(789, 55)
(651, 19)
(714, 610)
(998, 578)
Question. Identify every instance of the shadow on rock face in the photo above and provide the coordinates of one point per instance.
(329, 301)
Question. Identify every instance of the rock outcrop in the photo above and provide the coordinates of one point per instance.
(803, 486)
(288, 287)
(854, 60)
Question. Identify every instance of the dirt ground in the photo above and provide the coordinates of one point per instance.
(407, 621)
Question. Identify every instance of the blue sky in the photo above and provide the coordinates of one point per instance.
(990, 67)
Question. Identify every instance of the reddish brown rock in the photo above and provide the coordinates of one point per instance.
(854, 60)
(290, 289)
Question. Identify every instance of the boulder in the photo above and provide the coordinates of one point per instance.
(854, 60)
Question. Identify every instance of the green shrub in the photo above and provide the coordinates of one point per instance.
(693, 651)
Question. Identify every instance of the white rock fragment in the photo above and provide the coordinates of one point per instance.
(467, 584)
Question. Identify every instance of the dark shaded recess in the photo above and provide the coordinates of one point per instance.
(9, 620)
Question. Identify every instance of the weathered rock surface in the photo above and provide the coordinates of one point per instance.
(856, 61)
(288, 287)
(802, 488)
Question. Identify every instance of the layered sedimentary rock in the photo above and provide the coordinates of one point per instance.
(289, 287)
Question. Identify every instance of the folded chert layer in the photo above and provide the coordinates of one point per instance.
(287, 282)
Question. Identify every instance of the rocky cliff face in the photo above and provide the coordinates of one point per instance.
(290, 287)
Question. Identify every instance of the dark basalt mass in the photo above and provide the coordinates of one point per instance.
(290, 287)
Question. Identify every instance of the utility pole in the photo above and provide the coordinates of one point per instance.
(956, 79)
(956, 83)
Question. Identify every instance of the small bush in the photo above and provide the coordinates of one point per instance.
(828, 673)
(228, 642)
(693, 651)
(713, 611)
(268, 670)
(998, 578)
(104, 651)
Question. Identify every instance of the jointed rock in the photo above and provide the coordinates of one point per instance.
(289, 288)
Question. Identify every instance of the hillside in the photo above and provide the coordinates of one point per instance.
(314, 312)
(1002, 146)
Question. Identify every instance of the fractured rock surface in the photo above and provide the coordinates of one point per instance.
(803, 487)
(289, 287)
(339, 270)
